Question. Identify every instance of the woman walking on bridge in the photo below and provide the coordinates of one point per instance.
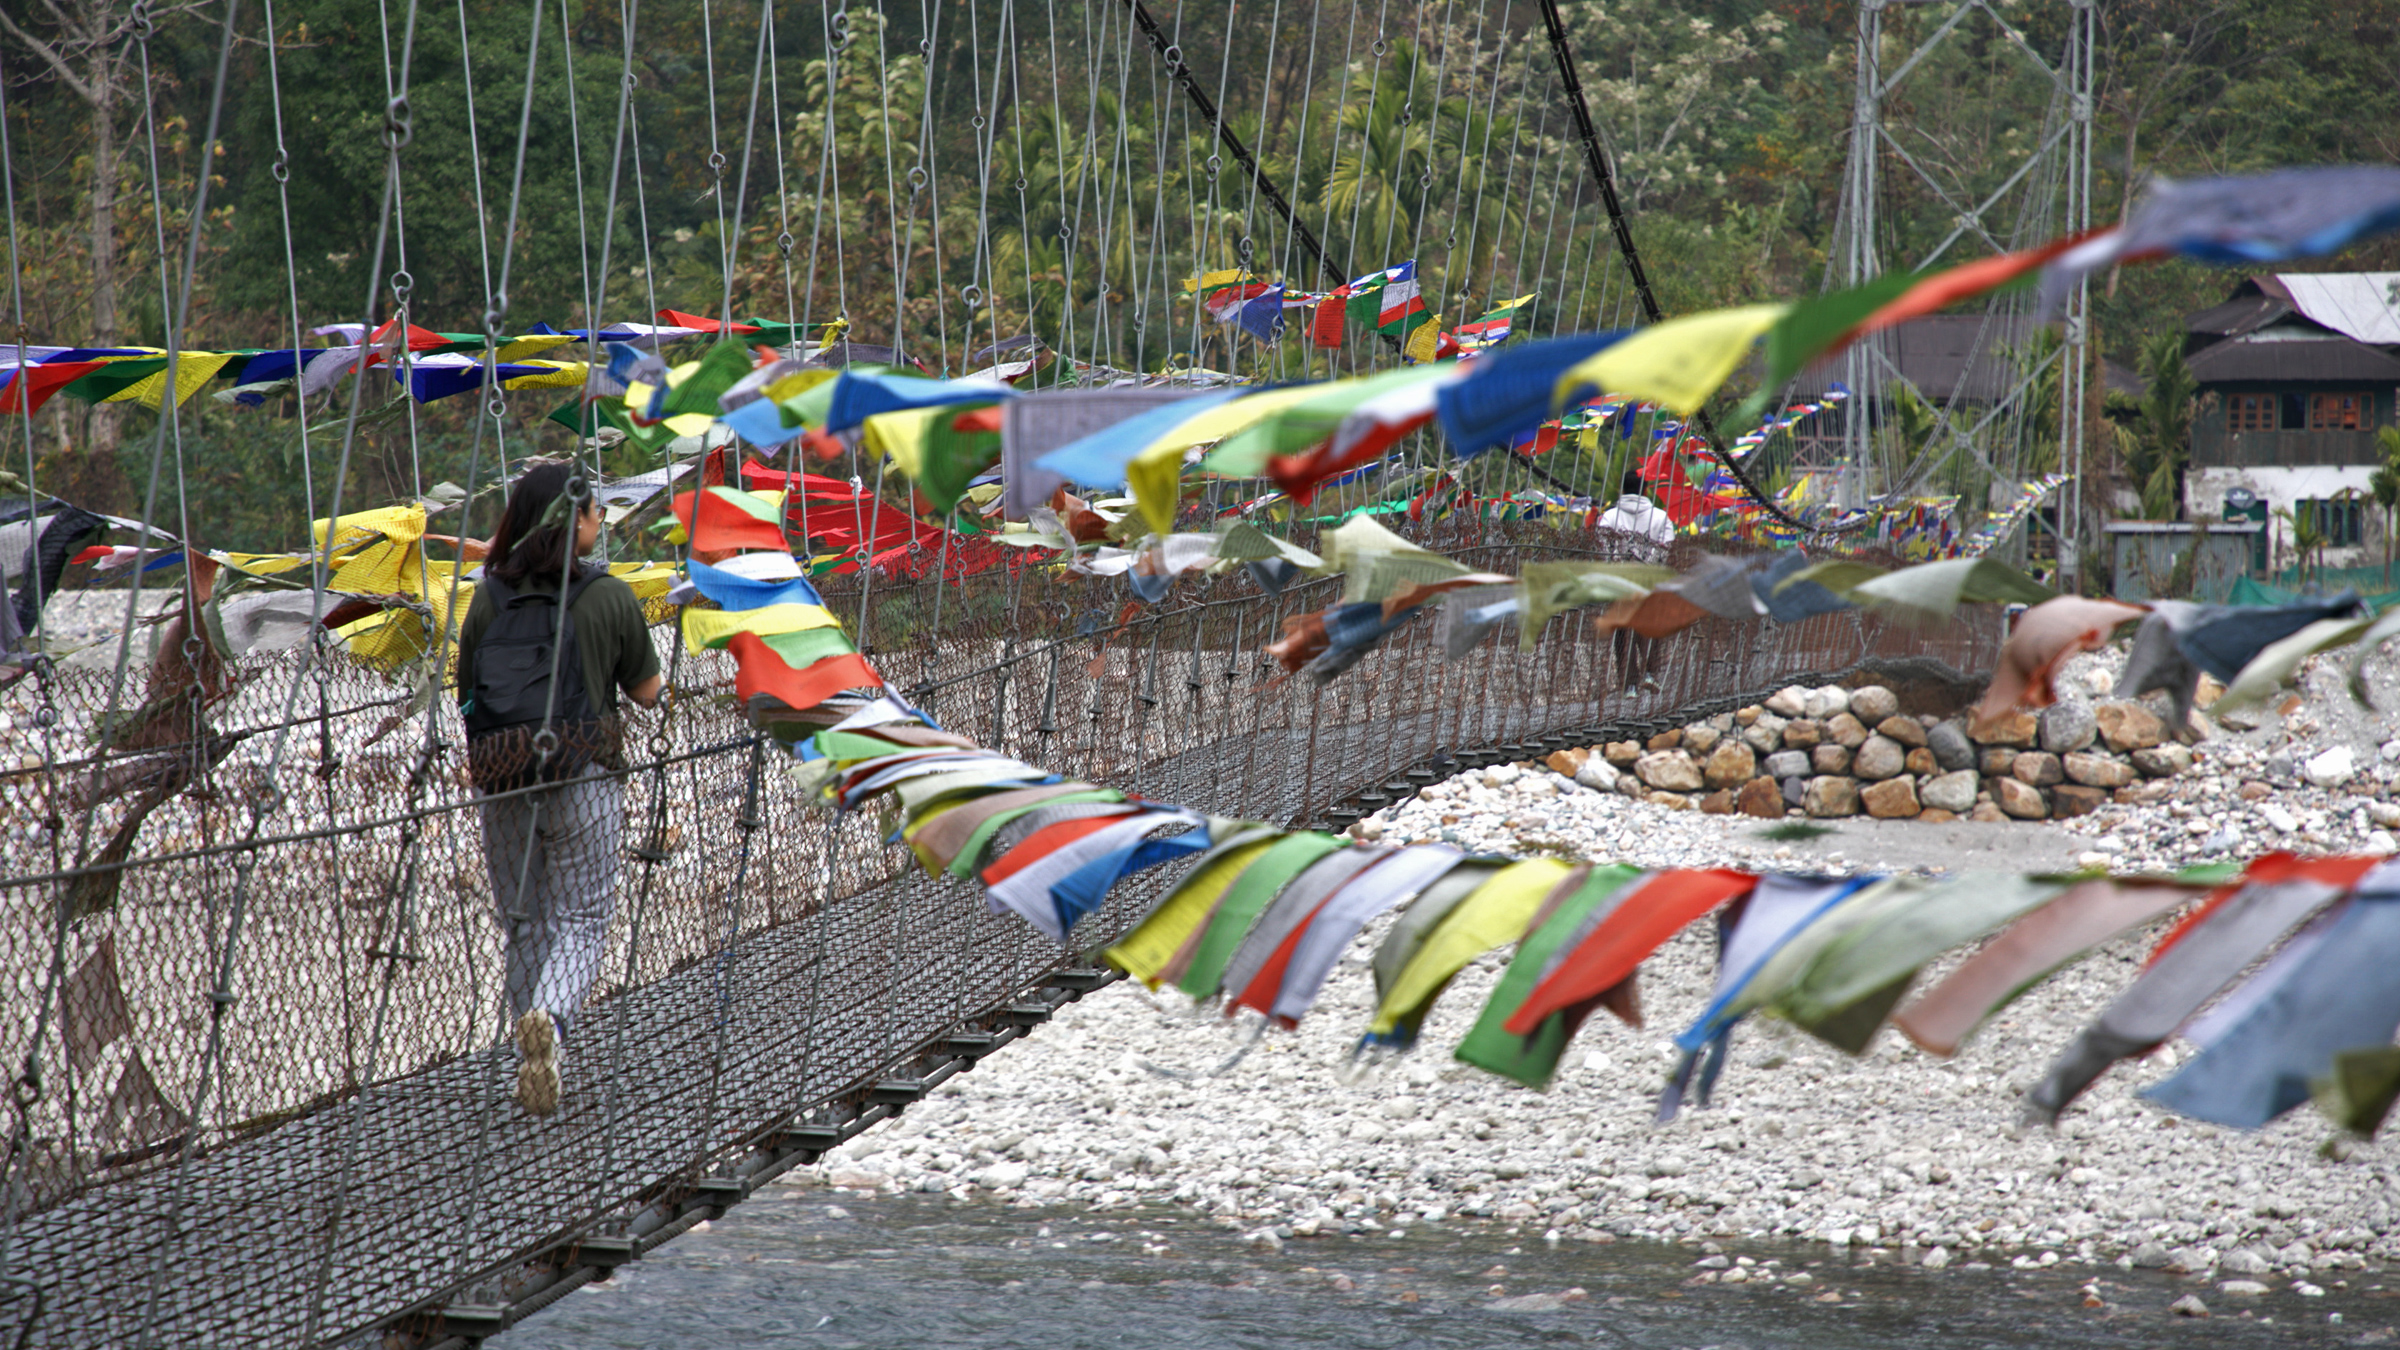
(537, 684)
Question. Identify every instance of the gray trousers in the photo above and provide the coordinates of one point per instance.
(553, 858)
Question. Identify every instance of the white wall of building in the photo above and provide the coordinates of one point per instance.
(2204, 492)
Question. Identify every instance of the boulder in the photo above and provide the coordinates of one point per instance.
(1700, 738)
(1795, 791)
(1949, 743)
(1743, 717)
(1717, 803)
(1731, 764)
(2068, 725)
(1673, 801)
(1668, 771)
(1597, 775)
(1831, 795)
(1802, 733)
(1761, 797)
(1934, 815)
(1986, 813)
(1764, 735)
(2097, 770)
(1789, 701)
(1622, 753)
(2038, 767)
(2016, 728)
(2331, 768)
(2162, 761)
(1993, 762)
(1567, 761)
(1787, 764)
(1829, 758)
(1891, 799)
(1825, 701)
(2074, 799)
(1669, 739)
(1881, 758)
(2207, 692)
(1922, 763)
(2143, 794)
(2019, 799)
(1846, 731)
(1906, 730)
(1953, 791)
(2127, 725)
(1873, 703)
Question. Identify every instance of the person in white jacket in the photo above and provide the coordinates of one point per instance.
(1636, 514)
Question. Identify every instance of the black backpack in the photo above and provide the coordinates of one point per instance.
(526, 642)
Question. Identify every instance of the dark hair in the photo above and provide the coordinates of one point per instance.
(1633, 482)
(531, 546)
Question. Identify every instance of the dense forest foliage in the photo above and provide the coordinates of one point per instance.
(948, 173)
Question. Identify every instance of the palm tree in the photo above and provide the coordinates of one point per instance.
(2385, 488)
(2162, 427)
(2308, 540)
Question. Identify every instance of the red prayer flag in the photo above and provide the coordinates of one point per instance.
(39, 382)
(680, 319)
(722, 526)
(758, 670)
(1946, 288)
(1638, 926)
(1326, 331)
(1048, 840)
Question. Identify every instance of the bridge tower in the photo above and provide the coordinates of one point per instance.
(2007, 404)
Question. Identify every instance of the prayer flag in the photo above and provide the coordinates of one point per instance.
(1677, 364)
(1327, 330)
(1400, 304)
(1494, 327)
(1262, 315)
(760, 670)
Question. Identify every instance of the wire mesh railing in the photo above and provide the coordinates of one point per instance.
(771, 972)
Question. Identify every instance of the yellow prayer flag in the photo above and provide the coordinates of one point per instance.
(706, 628)
(516, 349)
(902, 436)
(556, 375)
(192, 370)
(1145, 951)
(1495, 914)
(1677, 364)
(1423, 340)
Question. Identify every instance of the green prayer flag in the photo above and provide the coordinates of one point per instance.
(1807, 330)
(2358, 1094)
(1533, 1060)
(1244, 901)
(724, 367)
(115, 377)
(1844, 996)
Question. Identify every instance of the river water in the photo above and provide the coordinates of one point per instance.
(827, 1270)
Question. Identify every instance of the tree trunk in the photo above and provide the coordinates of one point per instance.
(104, 434)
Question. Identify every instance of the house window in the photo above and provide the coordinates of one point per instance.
(2250, 412)
(2339, 521)
(2336, 412)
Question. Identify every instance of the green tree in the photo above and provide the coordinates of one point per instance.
(2153, 434)
(2384, 487)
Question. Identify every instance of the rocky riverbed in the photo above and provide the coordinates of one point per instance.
(1133, 1098)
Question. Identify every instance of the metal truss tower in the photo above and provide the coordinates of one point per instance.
(2040, 189)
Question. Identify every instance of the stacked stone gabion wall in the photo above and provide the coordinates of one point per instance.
(1835, 752)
